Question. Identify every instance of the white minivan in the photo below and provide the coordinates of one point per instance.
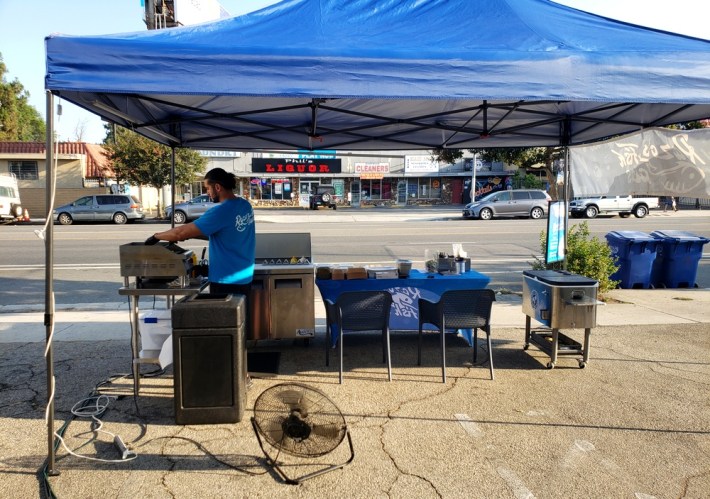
(10, 205)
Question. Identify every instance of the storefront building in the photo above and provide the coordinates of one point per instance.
(374, 179)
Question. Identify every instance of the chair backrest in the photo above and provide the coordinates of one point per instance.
(363, 310)
(467, 308)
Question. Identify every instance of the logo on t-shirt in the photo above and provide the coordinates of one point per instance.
(241, 222)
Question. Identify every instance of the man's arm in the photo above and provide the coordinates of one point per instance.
(181, 233)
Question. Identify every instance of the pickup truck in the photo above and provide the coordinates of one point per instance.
(621, 205)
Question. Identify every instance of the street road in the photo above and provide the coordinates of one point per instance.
(86, 262)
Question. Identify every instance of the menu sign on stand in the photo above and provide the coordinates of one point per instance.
(555, 232)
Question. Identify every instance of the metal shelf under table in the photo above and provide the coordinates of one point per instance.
(134, 292)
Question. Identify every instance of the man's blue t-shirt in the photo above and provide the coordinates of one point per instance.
(232, 234)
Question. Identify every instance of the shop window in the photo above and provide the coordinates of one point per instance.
(280, 189)
(435, 192)
(387, 189)
(255, 189)
(424, 189)
(412, 187)
(24, 170)
(375, 189)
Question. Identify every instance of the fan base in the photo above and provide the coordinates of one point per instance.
(296, 481)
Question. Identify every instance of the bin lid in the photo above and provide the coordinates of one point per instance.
(560, 278)
(630, 236)
(679, 236)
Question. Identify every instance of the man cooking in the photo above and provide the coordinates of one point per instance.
(231, 231)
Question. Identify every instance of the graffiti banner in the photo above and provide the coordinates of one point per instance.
(653, 162)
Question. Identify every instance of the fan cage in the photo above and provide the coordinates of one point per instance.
(299, 420)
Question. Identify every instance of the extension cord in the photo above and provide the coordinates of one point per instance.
(125, 451)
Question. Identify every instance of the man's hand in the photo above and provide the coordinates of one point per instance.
(152, 240)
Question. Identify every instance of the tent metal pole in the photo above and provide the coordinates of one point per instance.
(566, 139)
(172, 185)
(565, 196)
(49, 283)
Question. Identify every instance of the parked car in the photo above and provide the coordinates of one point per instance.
(189, 210)
(612, 205)
(119, 208)
(324, 195)
(518, 203)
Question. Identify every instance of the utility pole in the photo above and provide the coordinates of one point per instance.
(473, 177)
(150, 14)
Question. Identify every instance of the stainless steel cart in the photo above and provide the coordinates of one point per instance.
(559, 299)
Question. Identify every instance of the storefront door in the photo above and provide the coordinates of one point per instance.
(456, 191)
(305, 187)
(402, 192)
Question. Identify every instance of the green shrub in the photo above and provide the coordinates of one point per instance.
(523, 180)
(590, 257)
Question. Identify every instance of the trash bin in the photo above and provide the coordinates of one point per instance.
(635, 252)
(677, 257)
(209, 357)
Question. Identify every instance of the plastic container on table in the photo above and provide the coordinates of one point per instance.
(635, 252)
(677, 257)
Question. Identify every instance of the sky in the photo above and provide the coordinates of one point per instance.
(26, 24)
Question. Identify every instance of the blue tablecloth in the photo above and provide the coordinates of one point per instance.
(406, 293)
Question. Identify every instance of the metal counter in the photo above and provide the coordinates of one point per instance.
(282, 302)
(281, 299)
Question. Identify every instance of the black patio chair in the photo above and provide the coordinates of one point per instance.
(458, 309)
(359, 311)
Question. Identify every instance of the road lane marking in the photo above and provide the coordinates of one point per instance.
(577, 451)
(469, 425)
(514, 483)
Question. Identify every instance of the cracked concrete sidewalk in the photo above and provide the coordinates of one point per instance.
(634, 423)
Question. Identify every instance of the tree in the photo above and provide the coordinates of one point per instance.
(138, 160)
(531, 157)
(524, 180)
(19, 121)
(525, 157)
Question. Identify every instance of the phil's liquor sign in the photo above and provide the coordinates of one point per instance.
(296, 166)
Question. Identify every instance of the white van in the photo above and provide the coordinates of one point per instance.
(10, 205)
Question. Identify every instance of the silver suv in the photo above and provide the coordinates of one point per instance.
(531, 203)
(189, 210)
(119, 208)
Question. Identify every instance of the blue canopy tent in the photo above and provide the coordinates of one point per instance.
(381, 75)
(387, 74)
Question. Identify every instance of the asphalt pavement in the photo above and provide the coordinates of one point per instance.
(633, 423)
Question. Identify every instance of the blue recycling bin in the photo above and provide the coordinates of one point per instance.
(677, 258)
(635, 252)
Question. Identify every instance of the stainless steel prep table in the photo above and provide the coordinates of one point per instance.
(134, 292)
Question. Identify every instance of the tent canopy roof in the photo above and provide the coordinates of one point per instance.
(387, 74)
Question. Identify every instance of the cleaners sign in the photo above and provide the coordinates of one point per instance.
(372, 170)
